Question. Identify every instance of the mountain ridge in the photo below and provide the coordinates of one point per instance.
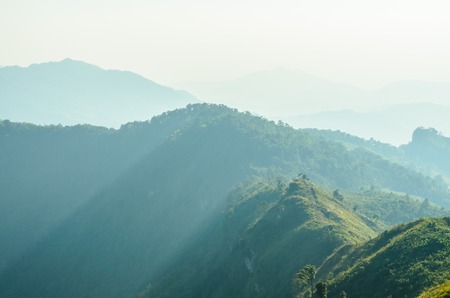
(74, 92)
(161, 183)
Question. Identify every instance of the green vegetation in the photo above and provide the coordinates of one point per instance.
(440, 291)
(401, 262)
(391, 208)
(265, 236)
(427, 152)
(352, 142)
(306, 277)
(161, 207)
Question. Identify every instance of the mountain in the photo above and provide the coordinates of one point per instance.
(415, 91)
(302, 100)
(95, 212)
(391, 124)
(48, 172)
(385, 150)
(73, 92)
(267, 232)
(429, 147)
(264, 236)
(388, 208)
(427, 151)
(277, 92)
(401, 262)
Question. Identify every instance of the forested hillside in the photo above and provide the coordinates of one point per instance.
(427, 152)
(267, 232)
(95, 212)
(401, 262)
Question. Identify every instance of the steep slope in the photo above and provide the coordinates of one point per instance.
(401, 262)
(265, 235)
(128, 232)
(160, 185)
(48, 172)
(73, 92)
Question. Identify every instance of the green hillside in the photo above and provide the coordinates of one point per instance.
(427, 151)
(48, 172)
(93, 212)
(389, 208)
(401, 262)
(266, 233)
(440, 291)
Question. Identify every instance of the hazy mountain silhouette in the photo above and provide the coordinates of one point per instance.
(388, 114)
(392, 124)
(73, 92)
(415, 91)
(277, 92)
(429, 147)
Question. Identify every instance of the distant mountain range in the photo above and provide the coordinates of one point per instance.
(392, 124)
(278, 92)
(283, 92)
(388, 114)
(73, 92)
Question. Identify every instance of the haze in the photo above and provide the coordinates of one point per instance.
(363, 43)
(224, 148)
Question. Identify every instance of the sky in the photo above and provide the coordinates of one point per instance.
(363, 43)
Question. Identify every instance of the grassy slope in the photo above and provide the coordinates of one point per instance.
(400, 262)
(440, 291)
(266, 234)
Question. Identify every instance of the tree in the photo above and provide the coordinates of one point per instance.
(337, 195)
(321, 289)
(306, 276)
(343, 295)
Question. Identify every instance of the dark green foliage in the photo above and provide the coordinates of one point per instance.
(263, 239)
(337, 195)
(48, 172)
(386, 150)
(88, 211)
(391, 208)
(440, 291)
(306, 276)
(400, 262)
(427, 152)
(321, 290)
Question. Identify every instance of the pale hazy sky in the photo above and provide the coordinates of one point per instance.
(365, 43)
